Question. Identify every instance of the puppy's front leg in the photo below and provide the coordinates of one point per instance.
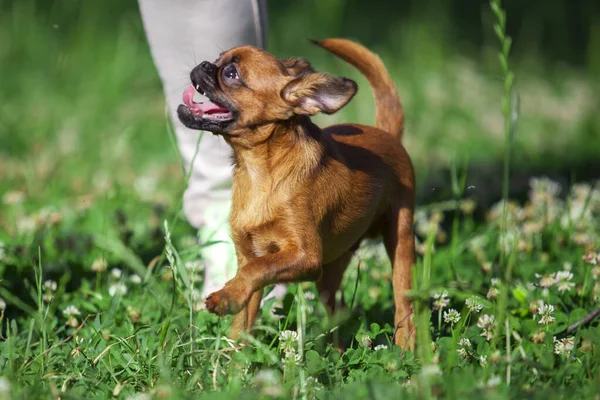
(287, 265)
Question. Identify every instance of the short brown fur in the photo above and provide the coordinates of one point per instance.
(304, 198)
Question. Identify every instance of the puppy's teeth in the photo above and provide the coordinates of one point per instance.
(198, 87)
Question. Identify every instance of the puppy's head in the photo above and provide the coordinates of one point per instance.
(248, 88)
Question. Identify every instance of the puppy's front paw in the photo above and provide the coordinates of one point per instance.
(223, 302)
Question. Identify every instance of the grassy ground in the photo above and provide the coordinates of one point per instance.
(90, 199)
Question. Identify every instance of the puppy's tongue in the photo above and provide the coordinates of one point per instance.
(201, 108)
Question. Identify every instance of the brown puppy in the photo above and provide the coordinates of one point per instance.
(304, 198)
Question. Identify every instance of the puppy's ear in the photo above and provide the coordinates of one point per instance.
(297, 66)
(318, 92)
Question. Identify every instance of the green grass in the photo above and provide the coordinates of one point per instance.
(90, 199)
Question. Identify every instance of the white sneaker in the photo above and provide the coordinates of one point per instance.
(220, 264)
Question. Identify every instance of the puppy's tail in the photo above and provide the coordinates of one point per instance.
(390, 116)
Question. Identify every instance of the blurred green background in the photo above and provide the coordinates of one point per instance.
(83, 121)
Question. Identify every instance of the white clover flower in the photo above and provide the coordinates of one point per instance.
(71, 311)
(592, 258)
(563, 281)
(497, 211)
(116, 273)
(291, 357)
(310, 296)
(596, 272)
(451, 316)
(534, 306)
(135, 278)
(478, 243)
(495, 357)
(546, 280)
(118, 288)
(508, 240)
(2, 304)
(99, 264)
(441, 300)
(547, 314)
(26, 225)
(194, 266)
(483, 360)
(50, 285)
(145, 185)
(564, 346)
(380, 347)
(531, 228)
(392, 365)
(495, 282)
(474, 304)
(365, 341)
(374, 292)
(312, 386)
(296, 357)
(312, 380)
(543, 188)
(288, 336)
(538, 336)
(492, 293)
(288, 341)
(487, 323)
(464, 348)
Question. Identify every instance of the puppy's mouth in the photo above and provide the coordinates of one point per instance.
(210, 110)
(210, 116)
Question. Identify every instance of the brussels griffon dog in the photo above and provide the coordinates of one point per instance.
(305, 197)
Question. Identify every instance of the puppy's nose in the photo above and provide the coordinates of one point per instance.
(208, 67)
(204, 72)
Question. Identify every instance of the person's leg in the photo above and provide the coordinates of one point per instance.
(181, 34)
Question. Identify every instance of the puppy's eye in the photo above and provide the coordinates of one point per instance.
(230, 72)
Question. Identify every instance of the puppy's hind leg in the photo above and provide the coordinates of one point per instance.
(400, 245)
(244, 320)
(331, 280)
(329, 284)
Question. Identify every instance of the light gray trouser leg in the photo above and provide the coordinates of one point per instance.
(181, 34)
